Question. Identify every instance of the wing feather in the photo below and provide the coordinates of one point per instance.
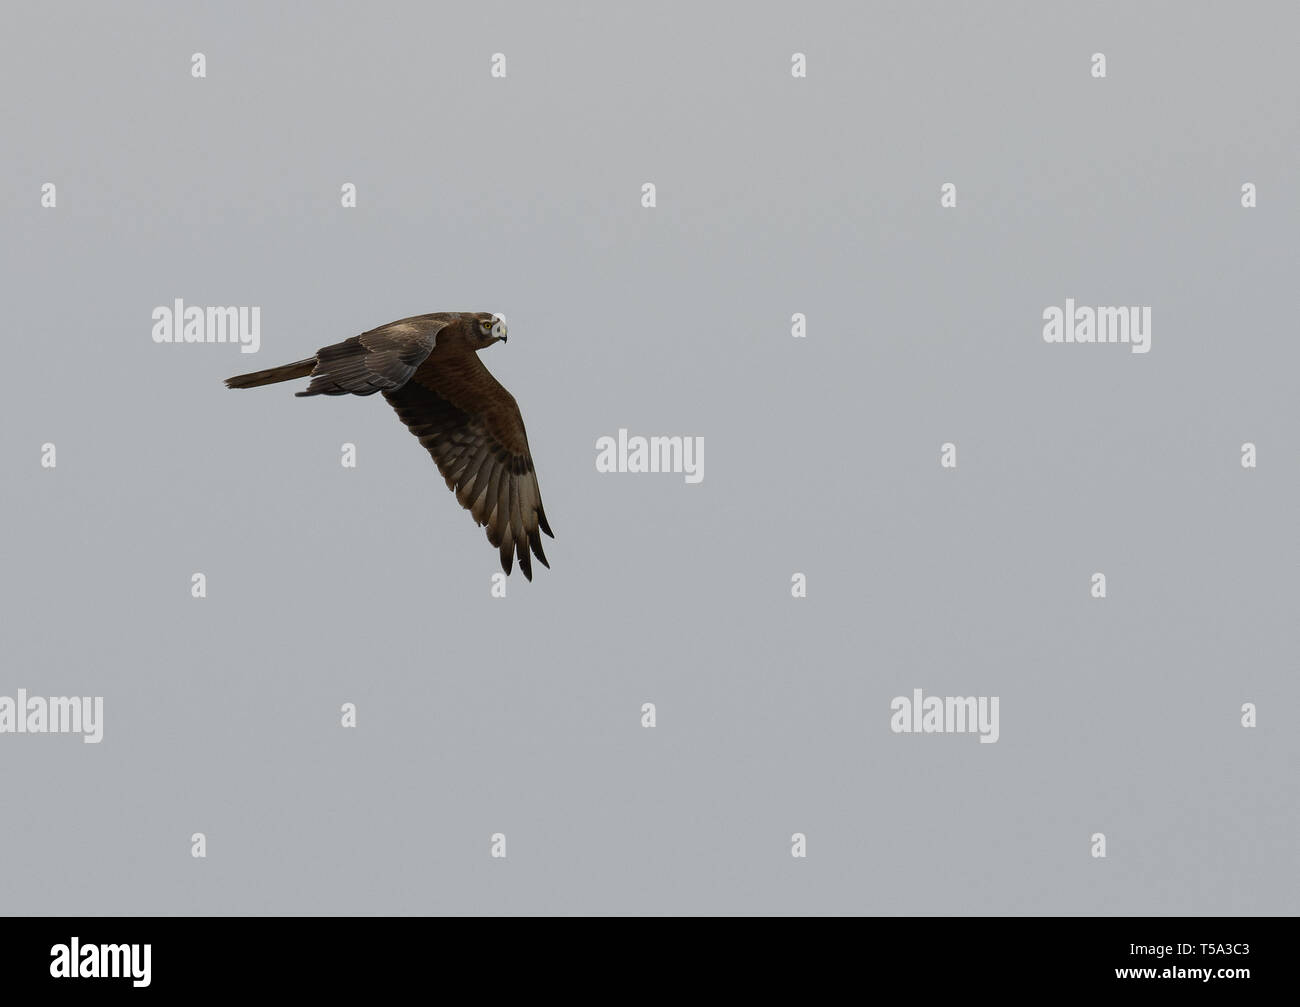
(471, 427)
(381, 360)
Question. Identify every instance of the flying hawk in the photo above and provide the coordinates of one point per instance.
(428, 368)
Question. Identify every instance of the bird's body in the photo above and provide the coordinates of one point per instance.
(428, 369)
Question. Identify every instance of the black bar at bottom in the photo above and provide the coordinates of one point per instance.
(341, 955)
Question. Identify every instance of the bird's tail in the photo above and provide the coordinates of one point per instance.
(285, 372)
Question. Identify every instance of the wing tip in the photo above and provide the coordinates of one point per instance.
(535, 542)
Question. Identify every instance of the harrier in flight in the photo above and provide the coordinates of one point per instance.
(429, 371)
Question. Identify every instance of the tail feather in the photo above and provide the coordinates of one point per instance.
(285, 372)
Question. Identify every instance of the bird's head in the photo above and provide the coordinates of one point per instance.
(486, 328)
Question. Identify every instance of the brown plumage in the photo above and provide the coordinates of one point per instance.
(429, 371)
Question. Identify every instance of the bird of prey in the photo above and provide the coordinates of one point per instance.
(428, 368)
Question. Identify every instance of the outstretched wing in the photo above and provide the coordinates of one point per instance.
(376, 361)
(471, 426)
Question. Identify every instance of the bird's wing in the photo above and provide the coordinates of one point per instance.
(380, 360)
(471, 426)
